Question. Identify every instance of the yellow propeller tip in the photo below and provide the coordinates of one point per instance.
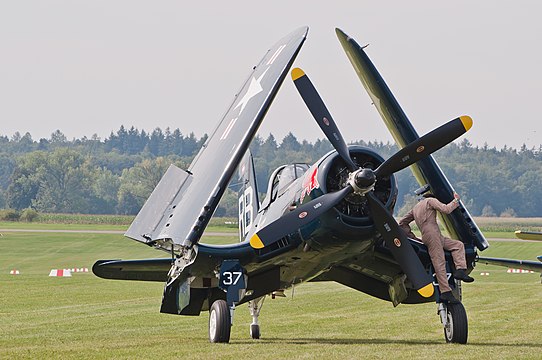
(467, 122)
(427, 291)
(297, 73)
(256, 242)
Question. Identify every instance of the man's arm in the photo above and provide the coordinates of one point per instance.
(404, 223)
(444, 208)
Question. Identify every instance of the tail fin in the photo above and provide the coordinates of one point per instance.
(249, 204)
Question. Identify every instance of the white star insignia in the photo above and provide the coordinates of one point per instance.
(253, 89)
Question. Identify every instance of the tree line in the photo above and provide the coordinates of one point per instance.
(116, 175)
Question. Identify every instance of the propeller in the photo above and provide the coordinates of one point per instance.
(400, 247)
(302, 215)
(424, 146)
(322, 116)
(362, 181)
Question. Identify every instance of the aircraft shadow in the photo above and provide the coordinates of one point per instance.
(303, 341)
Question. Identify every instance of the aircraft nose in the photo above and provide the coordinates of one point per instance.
(365, 178)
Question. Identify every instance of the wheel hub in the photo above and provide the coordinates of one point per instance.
(449, 327)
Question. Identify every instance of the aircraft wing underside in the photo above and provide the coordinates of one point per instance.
(376, 276)
(181, 210)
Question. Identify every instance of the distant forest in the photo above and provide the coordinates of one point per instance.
(116, 175)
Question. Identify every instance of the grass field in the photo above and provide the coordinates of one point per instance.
(87, 317)
(490, 226)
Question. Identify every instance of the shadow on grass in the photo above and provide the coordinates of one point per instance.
(326, 341)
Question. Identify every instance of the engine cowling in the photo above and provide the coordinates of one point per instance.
(333, 176)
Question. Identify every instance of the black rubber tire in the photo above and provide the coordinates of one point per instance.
(457, 330)
(255, 331)
(219, 322)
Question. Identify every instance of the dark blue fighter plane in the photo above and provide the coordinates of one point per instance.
(330, 221)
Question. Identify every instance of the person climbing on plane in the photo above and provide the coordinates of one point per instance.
(424, 213)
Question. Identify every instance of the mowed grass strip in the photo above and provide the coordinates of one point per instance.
(87, 317)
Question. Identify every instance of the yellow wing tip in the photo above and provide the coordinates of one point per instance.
(427, 291)
(297, 73)
(256, 242)
(466, 121)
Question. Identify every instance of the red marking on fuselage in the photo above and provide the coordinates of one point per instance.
(310, 182)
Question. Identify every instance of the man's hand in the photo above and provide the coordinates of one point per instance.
(456, 197)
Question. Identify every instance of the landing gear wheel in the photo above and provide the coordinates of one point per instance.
(457, 328)
(219, 322)
(255, 331)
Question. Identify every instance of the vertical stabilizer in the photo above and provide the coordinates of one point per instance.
(249, 203)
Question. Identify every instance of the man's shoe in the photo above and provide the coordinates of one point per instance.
(448, 297)
(460, 274)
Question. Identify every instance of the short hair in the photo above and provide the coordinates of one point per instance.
(429, 195)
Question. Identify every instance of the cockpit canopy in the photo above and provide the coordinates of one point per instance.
(281, 178)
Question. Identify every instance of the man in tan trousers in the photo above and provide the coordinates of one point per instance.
(424, 214)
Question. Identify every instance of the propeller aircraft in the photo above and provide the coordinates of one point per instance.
(329, 221)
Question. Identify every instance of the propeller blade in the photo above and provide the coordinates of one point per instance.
(424, 146)
(297, 218)
(321, 114)
(400, 247)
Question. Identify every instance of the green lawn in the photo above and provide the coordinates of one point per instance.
(105, 227)
(87, 317)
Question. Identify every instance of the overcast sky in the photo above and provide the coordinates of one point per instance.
(88, 67)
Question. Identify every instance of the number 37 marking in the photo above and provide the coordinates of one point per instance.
(231, 277)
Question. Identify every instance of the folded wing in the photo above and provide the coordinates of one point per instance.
(459, 224)
(176, 216)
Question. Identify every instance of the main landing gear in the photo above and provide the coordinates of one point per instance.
(220, 320)
(454, 319)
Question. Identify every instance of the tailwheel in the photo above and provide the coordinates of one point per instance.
(456, 327)
(255, 331)
(219, 322)
(255, 306)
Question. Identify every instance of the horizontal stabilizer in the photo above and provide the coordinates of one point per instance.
(522, 264)
(143, 270)
(154, 215)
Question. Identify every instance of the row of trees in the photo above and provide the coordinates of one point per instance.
(128, 142)
(116, 175)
